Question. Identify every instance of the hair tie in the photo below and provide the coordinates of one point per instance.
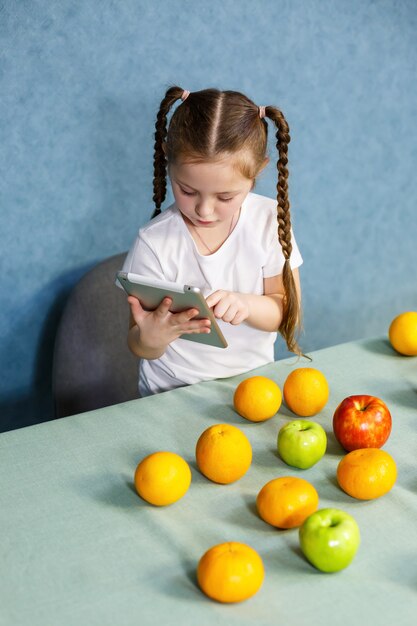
(185, 95)
(262, 112)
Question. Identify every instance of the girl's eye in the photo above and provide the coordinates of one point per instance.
(187, 193)
(193, 193)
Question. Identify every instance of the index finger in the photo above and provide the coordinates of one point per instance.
(164, 306)
(213, 298)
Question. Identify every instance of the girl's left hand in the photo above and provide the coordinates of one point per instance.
(228, 306)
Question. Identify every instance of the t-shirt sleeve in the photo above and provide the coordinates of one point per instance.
(141, 259)
(275, 259)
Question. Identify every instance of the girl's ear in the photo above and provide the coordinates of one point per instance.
(164, 147)
(264, 164)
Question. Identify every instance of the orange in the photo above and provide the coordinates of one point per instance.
(287, 501)
(230, 572)
(223, 453)
(162, 478)
(403, 333)
(367, 473)
(257, 398)
(306, 391)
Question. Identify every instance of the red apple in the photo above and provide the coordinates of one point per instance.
(362, 422)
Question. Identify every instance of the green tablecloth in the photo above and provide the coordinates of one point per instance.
(79, 547)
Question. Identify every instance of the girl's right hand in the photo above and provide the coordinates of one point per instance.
(160, 327)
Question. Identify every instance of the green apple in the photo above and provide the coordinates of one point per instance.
(301, 443)
(329, 539)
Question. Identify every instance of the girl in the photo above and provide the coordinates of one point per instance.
(235, 245)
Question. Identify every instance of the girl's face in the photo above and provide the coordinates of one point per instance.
(208, 194)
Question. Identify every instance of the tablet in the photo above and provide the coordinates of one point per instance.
(151, 291)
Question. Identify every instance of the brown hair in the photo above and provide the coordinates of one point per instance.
(211, 125)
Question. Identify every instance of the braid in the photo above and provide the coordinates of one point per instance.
(291, 313)
(160, 161)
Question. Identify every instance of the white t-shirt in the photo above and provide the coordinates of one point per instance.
(164, 248)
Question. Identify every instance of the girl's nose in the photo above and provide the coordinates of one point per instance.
(204, 209)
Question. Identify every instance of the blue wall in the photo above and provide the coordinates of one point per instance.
(80, 84)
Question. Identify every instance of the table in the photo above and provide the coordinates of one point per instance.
(78, 546)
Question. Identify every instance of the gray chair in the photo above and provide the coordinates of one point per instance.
(93, 366)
